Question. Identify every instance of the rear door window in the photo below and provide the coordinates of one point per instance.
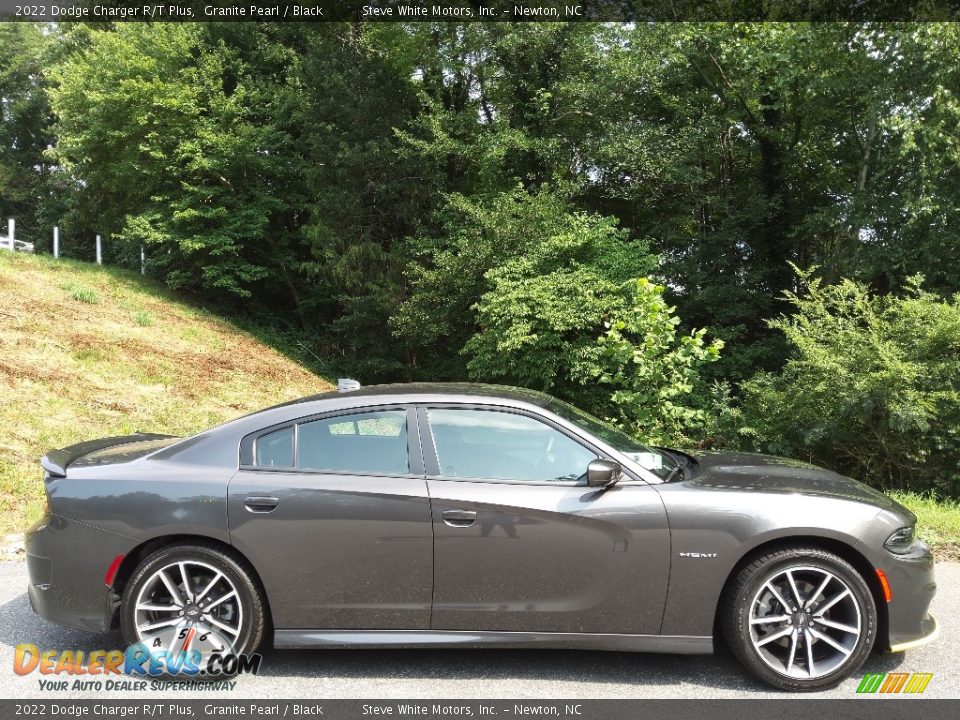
(371, 442)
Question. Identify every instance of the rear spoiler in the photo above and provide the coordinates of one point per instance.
(56, 462)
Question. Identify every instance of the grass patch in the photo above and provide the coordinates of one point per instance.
(143, 318)
(938, 522)
(81, 293)
(90, 355)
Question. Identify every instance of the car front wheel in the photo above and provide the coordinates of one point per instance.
(800, 618)
(188, 602)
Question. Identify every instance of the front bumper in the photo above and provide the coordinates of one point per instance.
(933, 633)
(66, 562)
(913, 586)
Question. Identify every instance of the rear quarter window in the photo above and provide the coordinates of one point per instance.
(275, 449)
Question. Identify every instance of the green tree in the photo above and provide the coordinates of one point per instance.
(539, 320)
(652, 370)
(159, 122)
(28, 179)
(364, 184)
(451, 271)
(750, 146)
(871, 388)
(365, 192)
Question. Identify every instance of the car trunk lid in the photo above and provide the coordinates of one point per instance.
(105, 451)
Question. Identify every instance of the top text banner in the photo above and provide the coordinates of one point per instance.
(474, 11)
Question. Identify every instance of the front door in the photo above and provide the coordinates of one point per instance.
(335, 516)
(521, 543)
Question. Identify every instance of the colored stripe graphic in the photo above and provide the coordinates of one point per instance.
(892, 683)
(918, 682)
(870, 683)
(912, 683)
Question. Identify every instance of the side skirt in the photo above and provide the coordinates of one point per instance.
(685, 644)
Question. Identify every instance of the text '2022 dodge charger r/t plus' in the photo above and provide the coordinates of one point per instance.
(428, 515)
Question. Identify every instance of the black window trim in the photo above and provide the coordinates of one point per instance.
(432, 463)
(248, 453)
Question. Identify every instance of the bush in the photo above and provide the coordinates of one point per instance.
(612, 348)
(143, 318)
(543, 310)
(558, 301)
(514, 266)
(651, 370)
(871, 389)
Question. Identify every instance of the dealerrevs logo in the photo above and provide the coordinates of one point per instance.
(103, 668)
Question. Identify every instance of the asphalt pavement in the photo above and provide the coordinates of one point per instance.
(477, 674)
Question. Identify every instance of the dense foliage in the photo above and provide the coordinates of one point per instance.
(485, 201)
(872, 387)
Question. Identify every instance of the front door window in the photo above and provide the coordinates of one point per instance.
(498, 445)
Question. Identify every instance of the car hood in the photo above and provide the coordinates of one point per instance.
(748, 472)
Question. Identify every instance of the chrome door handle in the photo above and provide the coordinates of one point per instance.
(261, 503)
(459, 518)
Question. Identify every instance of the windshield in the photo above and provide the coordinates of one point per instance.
(656, 462)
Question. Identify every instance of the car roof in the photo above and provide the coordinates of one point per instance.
(437, 389)
(217, 446)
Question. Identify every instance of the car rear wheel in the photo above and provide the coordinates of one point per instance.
(188, 602)
(800, 618)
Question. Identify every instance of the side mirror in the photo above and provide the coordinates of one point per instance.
(603, 473)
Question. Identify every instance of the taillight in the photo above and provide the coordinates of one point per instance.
(111, 573)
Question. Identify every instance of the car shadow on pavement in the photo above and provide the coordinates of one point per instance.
(720, 671)
(18, 625)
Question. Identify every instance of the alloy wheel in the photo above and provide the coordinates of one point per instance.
(188, 606)
(805, 622)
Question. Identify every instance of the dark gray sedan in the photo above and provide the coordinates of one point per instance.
(473, 516)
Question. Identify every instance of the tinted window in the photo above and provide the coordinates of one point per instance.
(276, 449)
(504, 446)
(374, 442)
(653, 460)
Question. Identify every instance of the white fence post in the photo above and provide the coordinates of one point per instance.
(11, 227)
(143, 261)
(99, 252)
(56, 241)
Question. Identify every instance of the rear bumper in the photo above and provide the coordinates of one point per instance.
(66, 562)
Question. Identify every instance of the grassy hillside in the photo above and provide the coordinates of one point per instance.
(87, 352)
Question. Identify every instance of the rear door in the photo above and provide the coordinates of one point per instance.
(333, 512)
(522, 543)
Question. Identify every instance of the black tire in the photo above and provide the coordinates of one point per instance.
(805, 566)
(252, 622)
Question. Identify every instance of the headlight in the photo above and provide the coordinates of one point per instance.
(901, 540)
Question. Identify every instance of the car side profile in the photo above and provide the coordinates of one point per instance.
(457, 515)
